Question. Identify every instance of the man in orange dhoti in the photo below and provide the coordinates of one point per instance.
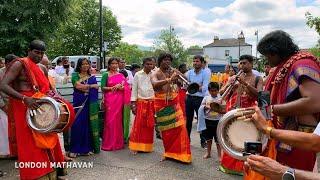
(18, 84)
(169, 116)
(142, 105)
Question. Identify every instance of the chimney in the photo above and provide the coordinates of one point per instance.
(241, 37)
(215, 38)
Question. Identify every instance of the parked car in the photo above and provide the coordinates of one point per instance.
(95, 60)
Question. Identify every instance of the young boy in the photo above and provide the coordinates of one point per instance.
(210, 113)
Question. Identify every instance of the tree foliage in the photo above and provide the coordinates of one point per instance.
(169, 42)
(315, 51)
(195, 47)
(131, 53)
(22, 21)
(80, 34)
(313, 22)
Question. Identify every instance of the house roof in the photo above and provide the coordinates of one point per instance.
(227, 43)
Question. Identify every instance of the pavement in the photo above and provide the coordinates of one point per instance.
(122, 165)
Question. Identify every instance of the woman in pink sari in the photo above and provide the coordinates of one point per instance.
(114, 86)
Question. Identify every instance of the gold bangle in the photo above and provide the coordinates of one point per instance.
(268, 131)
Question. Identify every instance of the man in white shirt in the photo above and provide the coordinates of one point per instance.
(65, 70)
(142, 105)
(122, 65)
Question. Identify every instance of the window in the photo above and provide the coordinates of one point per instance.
(226, 53)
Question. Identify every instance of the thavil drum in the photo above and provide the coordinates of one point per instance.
(52, 116)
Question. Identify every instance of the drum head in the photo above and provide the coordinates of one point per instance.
(233, 133)
(46, 116)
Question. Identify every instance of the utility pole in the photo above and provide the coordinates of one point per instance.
(257, 34)
(102, 60)
(170, 43)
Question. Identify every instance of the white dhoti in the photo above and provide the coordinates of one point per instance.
(4, 139)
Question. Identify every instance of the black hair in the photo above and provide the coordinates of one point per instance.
(213, 85)
(112, 59)
(9, 58)
(79, 64)
(59, 60)
(247, 57)
(181, 66)
(64, 58)
(124, 72)
(135, 66)
(146, 60)
(199, 57)
(38, 45)
(277, 43)
(163, 56)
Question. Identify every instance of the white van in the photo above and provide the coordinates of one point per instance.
(95, 60)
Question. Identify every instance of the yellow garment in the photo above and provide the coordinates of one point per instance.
(214, 78)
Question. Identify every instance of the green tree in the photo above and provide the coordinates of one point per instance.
(195, 47)
(131, 53)
(22, 21)
(313, 22)
(315, 51)
(168, 41)
(79, 35)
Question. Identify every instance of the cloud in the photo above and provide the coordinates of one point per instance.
(142, 20)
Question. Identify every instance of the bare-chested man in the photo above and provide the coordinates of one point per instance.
(169, 116)
(20, 86)
(244, 94)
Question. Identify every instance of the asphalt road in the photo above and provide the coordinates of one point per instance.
(123, 165)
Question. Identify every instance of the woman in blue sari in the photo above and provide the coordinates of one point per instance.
(85, 129)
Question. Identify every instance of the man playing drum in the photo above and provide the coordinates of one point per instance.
(169, 116)
(17, 84)
(244, 94)
(294, 87)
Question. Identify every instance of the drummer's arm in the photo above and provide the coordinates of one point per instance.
(11, 75)
(307, 141)
(309, 103)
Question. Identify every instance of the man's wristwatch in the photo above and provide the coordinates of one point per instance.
(289, 175)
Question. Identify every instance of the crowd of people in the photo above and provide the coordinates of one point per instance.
(157, 98)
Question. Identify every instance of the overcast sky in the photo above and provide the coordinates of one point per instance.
(197, 21)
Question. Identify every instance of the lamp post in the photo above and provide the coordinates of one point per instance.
(102, 63)
(170, 43)
(257, 34)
